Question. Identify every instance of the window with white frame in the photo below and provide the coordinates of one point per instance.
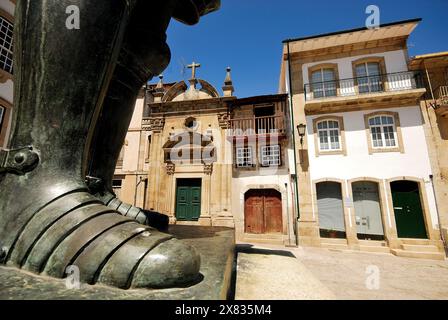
(323, 83)
(244, 157)
(369, 77)
(271, 156)
(383, 131)
(6, 43)
(329, 135)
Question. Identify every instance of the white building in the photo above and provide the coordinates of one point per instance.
(366, 183)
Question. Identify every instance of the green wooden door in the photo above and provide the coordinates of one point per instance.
(188, 199)
(408, 210)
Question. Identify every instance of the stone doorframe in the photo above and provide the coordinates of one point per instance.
(349, 216)
(433, 234)
(387, 220)
(205, 217)
(284, 193)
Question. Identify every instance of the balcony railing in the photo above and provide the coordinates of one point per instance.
(391, 82)
(257, 126)
(442, 95)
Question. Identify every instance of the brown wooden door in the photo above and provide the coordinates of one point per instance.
(254, 217)
(273, 211)
(263, 212)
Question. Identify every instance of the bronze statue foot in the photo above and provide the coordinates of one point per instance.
(78, 230)
(146, 217)
(98, 188)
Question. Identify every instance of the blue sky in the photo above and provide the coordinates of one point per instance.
(247, 35)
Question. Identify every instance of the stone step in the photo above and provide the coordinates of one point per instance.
(334, 246)
(378, 249)
(371, 243)
(334, 241)
(418, 255)
(276, 239)
(420, 248)
(418, 242)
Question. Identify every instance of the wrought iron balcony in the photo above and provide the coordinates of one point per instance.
(442, 95)
(401, 88)
(442, 101)
(270, 125)
(392, 82)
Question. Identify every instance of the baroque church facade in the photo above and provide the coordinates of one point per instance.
(207, 159)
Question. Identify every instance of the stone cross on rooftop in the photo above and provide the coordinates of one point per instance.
(193, 67)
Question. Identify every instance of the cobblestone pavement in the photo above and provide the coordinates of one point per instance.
(312, 273)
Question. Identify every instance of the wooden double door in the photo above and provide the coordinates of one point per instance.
(188, 199)
(263, 212)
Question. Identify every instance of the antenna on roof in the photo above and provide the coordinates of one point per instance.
(183, 69)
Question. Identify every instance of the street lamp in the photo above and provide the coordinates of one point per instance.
(301, 128)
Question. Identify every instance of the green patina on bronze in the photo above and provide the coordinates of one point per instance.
(74, 96)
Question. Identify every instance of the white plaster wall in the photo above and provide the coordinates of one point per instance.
(7, 91)
(136, 122)
(395, 62)
(132, 143)
(358, 163)
(8, 6)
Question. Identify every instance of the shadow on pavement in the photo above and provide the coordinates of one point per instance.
(249, 249)
(195, 232)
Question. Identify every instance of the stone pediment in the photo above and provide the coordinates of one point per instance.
(200, 90)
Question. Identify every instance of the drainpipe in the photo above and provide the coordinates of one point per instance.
(289, 220)
(136, 189)
(430, 87)
(442, 236)
(291, 111)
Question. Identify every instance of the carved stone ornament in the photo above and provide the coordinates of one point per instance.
(208, 169)
(156, 124)
(224, 120)
(170, 168)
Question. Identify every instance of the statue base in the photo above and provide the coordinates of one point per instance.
(215, 245)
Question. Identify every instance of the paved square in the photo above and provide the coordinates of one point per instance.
(268, 272)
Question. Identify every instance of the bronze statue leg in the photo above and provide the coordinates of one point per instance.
(143, 55)
(48, 218)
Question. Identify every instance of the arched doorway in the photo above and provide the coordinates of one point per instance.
(331, 210)
(366, 198)
(408, 210)
(263, 211)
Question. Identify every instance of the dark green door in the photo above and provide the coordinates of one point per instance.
(188, 199)
(408, 210)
